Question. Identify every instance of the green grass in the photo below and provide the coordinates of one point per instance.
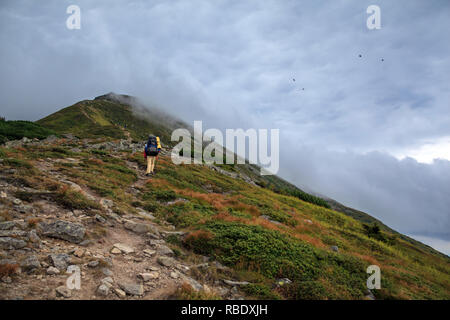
(15, 130)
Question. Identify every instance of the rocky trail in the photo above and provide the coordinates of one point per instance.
(41, 242)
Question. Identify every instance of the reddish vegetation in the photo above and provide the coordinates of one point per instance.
(8, 269)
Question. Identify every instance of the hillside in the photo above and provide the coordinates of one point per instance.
(189, 232)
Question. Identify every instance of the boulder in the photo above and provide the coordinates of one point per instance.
(166, 261)
(124, 248)
(133, 289)
(52, 271)
(64, 230)
(8, 243)
(63, 291)
(103, 290)
(60, 260)
(30, 264)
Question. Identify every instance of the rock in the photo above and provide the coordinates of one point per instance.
(283, 281)
(115, 251)
(108, 281)
(149, 252)
(308, 221)
(52, 271)
(174, 275)
(7, 279)
(106, 203)
(60, 260)
(64, 230)
(30, 264)
(164, 250)
(133, 289)
(334, 248)
(100, 219)
(103, 290)
(33, 237)
(3, 195)
(120, 293)
(93, 264)
(64, 292)
(17, 202)
(107, 272)
(148, 276)
(140, 228)
(8, 243)
(124, 248)
(236, 283)
(13, 233)
(78, 253)
(7, 225)
(193, 283)
(166, 261)
(84, 243)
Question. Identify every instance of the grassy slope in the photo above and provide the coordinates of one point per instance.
(15, 130)
(223, 218)
(107, 116)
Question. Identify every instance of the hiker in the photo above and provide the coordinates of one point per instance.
(152, 149)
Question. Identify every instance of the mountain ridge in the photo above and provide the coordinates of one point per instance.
(211, 231)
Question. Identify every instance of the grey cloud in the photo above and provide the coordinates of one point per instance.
(231, 64)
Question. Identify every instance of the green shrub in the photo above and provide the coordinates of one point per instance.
(261, 292)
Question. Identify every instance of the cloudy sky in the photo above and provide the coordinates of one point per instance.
(372, 134)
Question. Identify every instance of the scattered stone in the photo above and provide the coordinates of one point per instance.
(33, 237)
(236, 283)
(133, 289)
(52, 271)
(107, 272)
(120, 293)
(7, 279)
(103, 290)
(64, 292)
(3, 195)
(17, 202)
(64, 230)
(164, 250)
(106, 203)
(100, 219)
(7, 225)
(166, 261)
(140, 228)
(148, 276)
(308, 221)
(30, 264)
(115, 251)
(78, 253)
(108, 281)
(124, 248)
(149, 252)
(174, 275)
(60, 260)
(93, 264)
(84, 243)
(281, 282)
(334, 248)
(13, 233)
(8, 243)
